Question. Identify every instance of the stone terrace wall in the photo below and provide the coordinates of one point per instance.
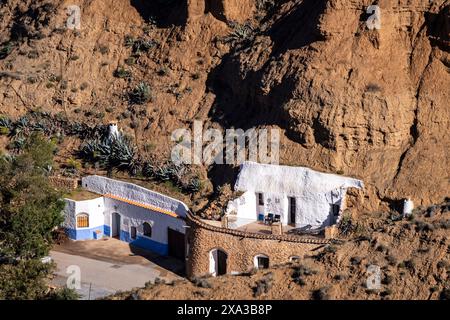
(241, 247)
(63, 182)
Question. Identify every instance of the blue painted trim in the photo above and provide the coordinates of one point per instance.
(140, 241)
(85, 234)
(145, 243)
(106, 230)
(125, 236)
(152, 245)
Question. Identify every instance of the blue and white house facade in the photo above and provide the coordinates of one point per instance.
(131, 213)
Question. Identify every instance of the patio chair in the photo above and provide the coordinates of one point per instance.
(268, 219)
(277, 218)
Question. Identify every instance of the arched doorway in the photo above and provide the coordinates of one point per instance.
(217, 262)
(115, 225)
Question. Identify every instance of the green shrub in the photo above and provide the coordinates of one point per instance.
(4, 131)
(130, 61)
(104, 49)
(140, 94)
(74, 164)
(5, 50)
(122, 73)
(64, 294)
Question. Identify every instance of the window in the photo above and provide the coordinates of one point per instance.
(261, 262)
(260, 199)
(133, 233)
(147, 230)
(83, 220)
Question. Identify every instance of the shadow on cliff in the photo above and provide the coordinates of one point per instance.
(438, 28)
(242, 101)
(299, 27)
(164, 12)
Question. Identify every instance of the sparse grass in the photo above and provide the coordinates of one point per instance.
(32, 80)
(74, 164)
(6, 49)
(387, 279)
(201, 283)
(141, 94)
(373, 87)
(103, 49)
(321, 294)
(355, 260)
(33, 54)
(163, 71)
(392, 260)
(130, 61)
(300, 272)
(122, 73)
(443, 265)
(263, 285)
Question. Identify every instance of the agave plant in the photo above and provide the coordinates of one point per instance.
(115, 153)
(140, 45)
(8, 157)
(5, 122)
(148, 170)
(122, 156)
(18, 144)
(194, 185)
(20, 127)
(240, 33)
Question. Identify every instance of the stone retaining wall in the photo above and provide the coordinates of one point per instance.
(241, 247)
(64, 183)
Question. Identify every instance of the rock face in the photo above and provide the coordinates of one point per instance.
(369, 103)
(224, 10)
(373, 104)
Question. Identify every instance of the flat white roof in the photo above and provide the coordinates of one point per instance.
(289, 180)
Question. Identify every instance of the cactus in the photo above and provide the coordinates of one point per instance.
(148, 170)
(111, 153)
(5, 122)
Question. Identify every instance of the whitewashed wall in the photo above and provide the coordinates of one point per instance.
(314, 192)
(103, 185)
(94, 208)
(133, 216)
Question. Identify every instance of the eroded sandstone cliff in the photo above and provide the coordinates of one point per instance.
(373, 104)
